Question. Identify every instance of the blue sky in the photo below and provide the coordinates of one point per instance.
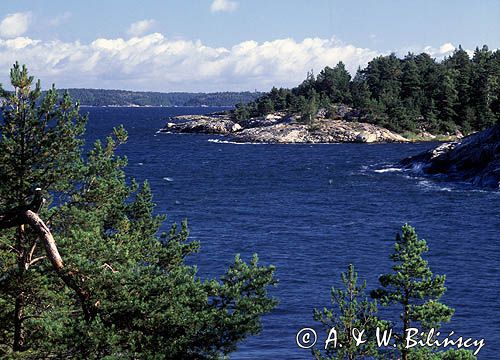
(208, 45)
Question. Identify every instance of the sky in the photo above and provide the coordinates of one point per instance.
(227, 45)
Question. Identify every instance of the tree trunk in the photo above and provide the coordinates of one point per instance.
(23, 215)
(18, 323)
(18, 344)
(406, 326)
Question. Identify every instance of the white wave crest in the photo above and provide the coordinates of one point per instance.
(391, 169)
(218, 141)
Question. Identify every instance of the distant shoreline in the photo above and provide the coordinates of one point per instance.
(127, 98)
(159, 106)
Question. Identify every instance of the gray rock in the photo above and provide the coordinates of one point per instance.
(474, 159)
(236, 127)
(323, 131)
(277, 133)
(213, 124)
(366, 137)
(280, 128)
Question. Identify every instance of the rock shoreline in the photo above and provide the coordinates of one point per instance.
(474, 159)
(283, 129)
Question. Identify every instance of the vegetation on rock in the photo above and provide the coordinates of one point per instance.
(415, 93)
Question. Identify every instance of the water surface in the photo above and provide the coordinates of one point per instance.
(311, 210)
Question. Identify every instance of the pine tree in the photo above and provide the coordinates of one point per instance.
(410, 82)
(460, 62)
(361, 96)
(351, 311)
(265, 106)
(447, 98)
(145, 301)
(310, 108)
(482, 88)
(334, 83)
(39, 148)
(413, 286)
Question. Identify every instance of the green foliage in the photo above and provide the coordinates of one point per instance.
(309, 107)
(149, 303)
(334, 83)
(415, 93)
(413, 287)
(427, 354)
(351, 309)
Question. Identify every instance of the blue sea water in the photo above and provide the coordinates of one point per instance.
(310, 210)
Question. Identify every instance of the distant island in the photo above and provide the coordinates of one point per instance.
(103, 97)
(416, 94)
(283, 128)
(392, 99)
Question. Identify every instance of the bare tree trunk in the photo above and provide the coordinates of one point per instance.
(23, 215)
(68, 276)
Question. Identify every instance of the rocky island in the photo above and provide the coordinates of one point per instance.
(282, 128)
(474, 159)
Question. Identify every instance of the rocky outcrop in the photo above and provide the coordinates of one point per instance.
(475, 159)
(323, 131)
(277, 133)
(214, 124)
(280, 128)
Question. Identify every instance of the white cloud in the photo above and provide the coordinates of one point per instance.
(60, 19)
(15, 24)
(223, 6)
(154, 62)
(140, 27)
(438, 53)
(446, 48)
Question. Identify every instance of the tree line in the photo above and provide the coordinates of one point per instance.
(413, 93)
(102, 97)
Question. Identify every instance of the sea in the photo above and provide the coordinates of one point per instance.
(311, 210)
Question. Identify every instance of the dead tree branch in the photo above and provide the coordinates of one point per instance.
(26, 215)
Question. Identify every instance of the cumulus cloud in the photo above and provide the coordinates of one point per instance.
(446, 48)
(14, 25)
(140, 27)
(440, 52)
(154, 62)
(223, 6)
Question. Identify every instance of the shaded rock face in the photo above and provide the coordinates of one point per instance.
(280, 128)
(475, 159)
